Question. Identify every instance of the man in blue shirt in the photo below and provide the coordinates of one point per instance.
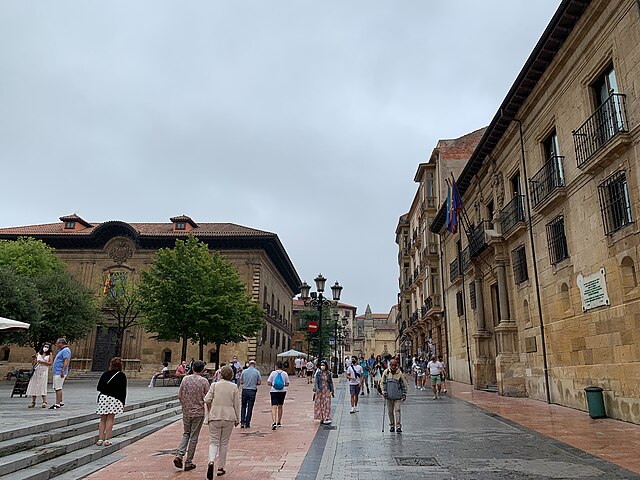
(250, 379)
(60, 370)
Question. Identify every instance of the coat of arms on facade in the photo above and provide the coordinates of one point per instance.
(120, 251)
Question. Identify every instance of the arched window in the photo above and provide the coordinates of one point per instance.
(629, 278)
(166, 355)
(565, 300)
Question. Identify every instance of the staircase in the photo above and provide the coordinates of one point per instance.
(67, 446)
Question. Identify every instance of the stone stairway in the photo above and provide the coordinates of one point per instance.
(67, 446)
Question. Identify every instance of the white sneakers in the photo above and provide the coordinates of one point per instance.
(354, 410)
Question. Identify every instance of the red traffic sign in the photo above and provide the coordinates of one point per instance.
(313, 326)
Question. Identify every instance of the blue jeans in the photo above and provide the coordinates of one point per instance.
(248, 399)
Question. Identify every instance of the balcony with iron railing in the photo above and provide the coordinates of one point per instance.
(512, 215)
(547, 185)
(414, 318)
(433, 303)
(454, 270)
(423, 311)
(603, 135)
(477, 239)
(465, 261)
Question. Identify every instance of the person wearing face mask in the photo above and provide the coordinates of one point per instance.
(394, 389)
(323, 388)
(38, 382)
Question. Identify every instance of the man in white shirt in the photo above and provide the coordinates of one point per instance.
(435, 370)
(355, 378)
(310, 371)
(298, 363)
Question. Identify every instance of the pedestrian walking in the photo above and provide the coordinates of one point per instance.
(111, 399)
(60, 370)
(250, 379)
(237, 370)
(311, 367)
(193, 389)
(279, 381)
(355, 378)
(394, 389)
(303, 373)
(443, 375)
(378, 370)
(435, 370)
(38, 381)
(298, 363)
(365, 369)
(323, 392)
(371, 361)
(223, 402)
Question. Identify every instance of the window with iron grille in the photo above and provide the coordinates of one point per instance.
(472, 295)
(519, 260)
(273, 337)
(557, 240)
(459, 304)
(614, 202)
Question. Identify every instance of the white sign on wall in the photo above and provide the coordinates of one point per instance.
(593, 289)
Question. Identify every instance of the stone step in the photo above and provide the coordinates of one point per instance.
(18, 444)
(67, 421)
(82, 462)
(55, 454)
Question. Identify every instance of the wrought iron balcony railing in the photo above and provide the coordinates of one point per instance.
(607, 121)
(477, 240)
(464, 260)
(547, 180)
(512, 213)
(454, 270)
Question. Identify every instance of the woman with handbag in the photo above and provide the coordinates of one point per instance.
(113, 393)
(38, 381)
(323, 391)
(223, 404)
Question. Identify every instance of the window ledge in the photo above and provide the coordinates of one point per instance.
(552, 199)
(611, 150)
(622, 233)
(514, 231)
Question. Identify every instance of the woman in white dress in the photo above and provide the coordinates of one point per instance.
(38, 382)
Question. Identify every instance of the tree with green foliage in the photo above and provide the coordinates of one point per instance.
(189, 293)
(64, 306)
(29, 257)
(122, 303)
(19, 300)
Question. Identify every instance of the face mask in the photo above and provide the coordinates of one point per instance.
(45, 349)
(322, 367)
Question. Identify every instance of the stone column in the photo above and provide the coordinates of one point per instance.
(502, 291)
(479, 305)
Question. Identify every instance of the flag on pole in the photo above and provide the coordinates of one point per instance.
(454, 205)
(107, 283)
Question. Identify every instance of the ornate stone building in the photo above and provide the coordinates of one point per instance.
(91, 251)
(542, 291)
(420, 314)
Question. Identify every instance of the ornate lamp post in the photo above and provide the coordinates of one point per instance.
(317, 300)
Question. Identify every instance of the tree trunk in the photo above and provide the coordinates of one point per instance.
(119, 341)
(201, 348)
(183, 356)
(217, 355)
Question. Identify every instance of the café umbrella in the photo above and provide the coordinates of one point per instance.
(8, 325)
(292, 353)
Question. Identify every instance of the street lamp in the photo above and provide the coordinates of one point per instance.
(336, 317)
(317, 300)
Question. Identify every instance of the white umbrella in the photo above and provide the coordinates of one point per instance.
(292, 353)
(7, 325)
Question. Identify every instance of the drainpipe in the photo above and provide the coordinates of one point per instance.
(445, 317)
(535, 263)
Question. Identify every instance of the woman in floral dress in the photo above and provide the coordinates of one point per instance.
(323, 388)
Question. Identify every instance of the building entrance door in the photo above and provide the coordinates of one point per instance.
(105, 348)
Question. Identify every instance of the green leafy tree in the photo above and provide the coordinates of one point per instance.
(122, 303)
(29, 257)
(312, 338)
(190, 294)
(19, 300)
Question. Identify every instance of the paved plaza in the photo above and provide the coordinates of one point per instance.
(466, 435)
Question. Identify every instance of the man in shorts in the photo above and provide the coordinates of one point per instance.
(278, 376)
(298, 363)
(435, 370)
(310, 371)
(60, 371)
(443, 375)
(355, 378)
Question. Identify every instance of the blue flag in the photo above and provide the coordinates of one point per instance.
(454, 205)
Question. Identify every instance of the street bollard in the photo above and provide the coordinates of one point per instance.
(595, 402)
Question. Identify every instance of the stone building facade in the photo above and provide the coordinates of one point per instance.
(91, 251)
(542, 288)
(420, 309)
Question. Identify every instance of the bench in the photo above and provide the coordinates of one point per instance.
(170, 379)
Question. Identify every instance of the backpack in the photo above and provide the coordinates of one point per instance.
(393, 389)
(278, 383)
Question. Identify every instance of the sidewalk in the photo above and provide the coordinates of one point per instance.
(257, 453)
(612, 440)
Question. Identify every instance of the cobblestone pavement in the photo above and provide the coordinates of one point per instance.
(445, 439)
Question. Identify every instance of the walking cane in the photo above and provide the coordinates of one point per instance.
(384, 408)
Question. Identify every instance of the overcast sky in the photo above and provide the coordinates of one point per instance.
(304, 118)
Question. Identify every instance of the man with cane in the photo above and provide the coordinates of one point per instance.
(394, 389)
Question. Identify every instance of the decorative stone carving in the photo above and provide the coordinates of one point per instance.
(499, 188)
(120, 251)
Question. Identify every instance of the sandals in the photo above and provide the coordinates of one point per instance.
(44, 405)
(32, 405)
(106, 443)
(99, 442)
